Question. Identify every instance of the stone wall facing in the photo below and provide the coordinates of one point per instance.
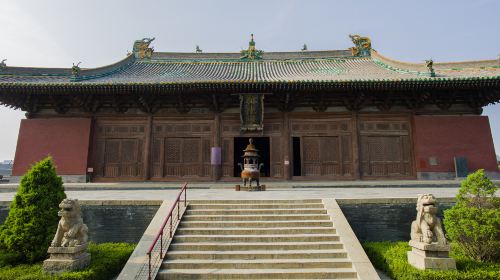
(371, 219)
(111, 222)
(384, 219)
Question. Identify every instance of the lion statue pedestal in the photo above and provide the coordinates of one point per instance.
(68, 251)
(429, 246)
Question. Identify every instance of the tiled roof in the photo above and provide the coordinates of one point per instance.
(307, 66)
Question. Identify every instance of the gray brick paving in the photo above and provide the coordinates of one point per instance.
(283, 193)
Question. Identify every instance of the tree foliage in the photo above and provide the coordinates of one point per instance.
(32, 220)
(474, 222)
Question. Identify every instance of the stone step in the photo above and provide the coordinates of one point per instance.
(256, 254)
(255, 224)
(214, 246)
(255, 231)
(195, 206)
(256, 238)
(257, 264)
(304, 273)
(309, 217)
(254, 211)
(248, 201)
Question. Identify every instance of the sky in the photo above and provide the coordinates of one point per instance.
(56, 33)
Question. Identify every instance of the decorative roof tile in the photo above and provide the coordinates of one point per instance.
(303, 66)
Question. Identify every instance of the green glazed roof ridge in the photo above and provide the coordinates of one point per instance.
(104, 74)
(238, 60)
(399, 70)
(385, 65)
(413, 79)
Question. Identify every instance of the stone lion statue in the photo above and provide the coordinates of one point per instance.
(71, 231)
(427, 227)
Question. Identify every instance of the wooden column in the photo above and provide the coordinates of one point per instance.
(147, 147)
(217, 169)
(91, 159)
(285, 140)
(355, 146)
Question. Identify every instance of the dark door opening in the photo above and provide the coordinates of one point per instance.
(261, 144)
(297, 164)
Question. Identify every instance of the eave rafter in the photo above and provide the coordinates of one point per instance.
(283, 95)
(355, 101)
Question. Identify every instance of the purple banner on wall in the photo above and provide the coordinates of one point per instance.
(215, 157)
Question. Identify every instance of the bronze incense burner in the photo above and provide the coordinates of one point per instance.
(250, 171)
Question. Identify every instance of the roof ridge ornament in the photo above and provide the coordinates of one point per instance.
(3, 64)
(251, 52)
(363, 45)
(198, 50)
(141, 48)
(75, 69)
(75, 72)
(430, 66)
(304, 48)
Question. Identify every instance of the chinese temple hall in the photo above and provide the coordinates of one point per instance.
(313, 115)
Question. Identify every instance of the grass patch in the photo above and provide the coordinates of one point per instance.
(107, 260)
(391, 258)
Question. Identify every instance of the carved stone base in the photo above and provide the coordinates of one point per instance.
(250, 189)
(66, 259)
(430, 256)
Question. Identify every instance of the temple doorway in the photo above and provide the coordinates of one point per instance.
(261, 144)
(296, 160)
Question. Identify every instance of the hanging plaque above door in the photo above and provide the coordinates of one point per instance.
(252, 111)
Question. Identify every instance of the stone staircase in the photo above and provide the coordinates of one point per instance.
(257, 239)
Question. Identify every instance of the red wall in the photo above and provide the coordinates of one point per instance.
(447, 136)
(66, 140)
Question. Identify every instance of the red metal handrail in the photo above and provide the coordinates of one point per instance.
(159, 235)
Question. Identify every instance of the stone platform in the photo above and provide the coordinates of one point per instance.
(270, 183)
(430, 256)
(250, 189)
(66, 259)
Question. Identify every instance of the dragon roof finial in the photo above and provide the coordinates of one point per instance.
(363, 45)
(141, 48)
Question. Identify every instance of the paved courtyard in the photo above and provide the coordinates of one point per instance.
(280, 193)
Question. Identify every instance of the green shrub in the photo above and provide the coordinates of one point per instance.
(32, 220)
(391, 258)
(474, 221)
(107, 260)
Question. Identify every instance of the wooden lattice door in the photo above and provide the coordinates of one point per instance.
(385, 156)
(122, 158)
(227, 157)
(187, 157)
(385, 149)
(276, 159)
(324, 156)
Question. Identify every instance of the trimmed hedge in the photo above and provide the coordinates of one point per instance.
(107, 260)
(391, 258)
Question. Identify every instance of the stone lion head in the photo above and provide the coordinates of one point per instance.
(426, 203)
(69, 208)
